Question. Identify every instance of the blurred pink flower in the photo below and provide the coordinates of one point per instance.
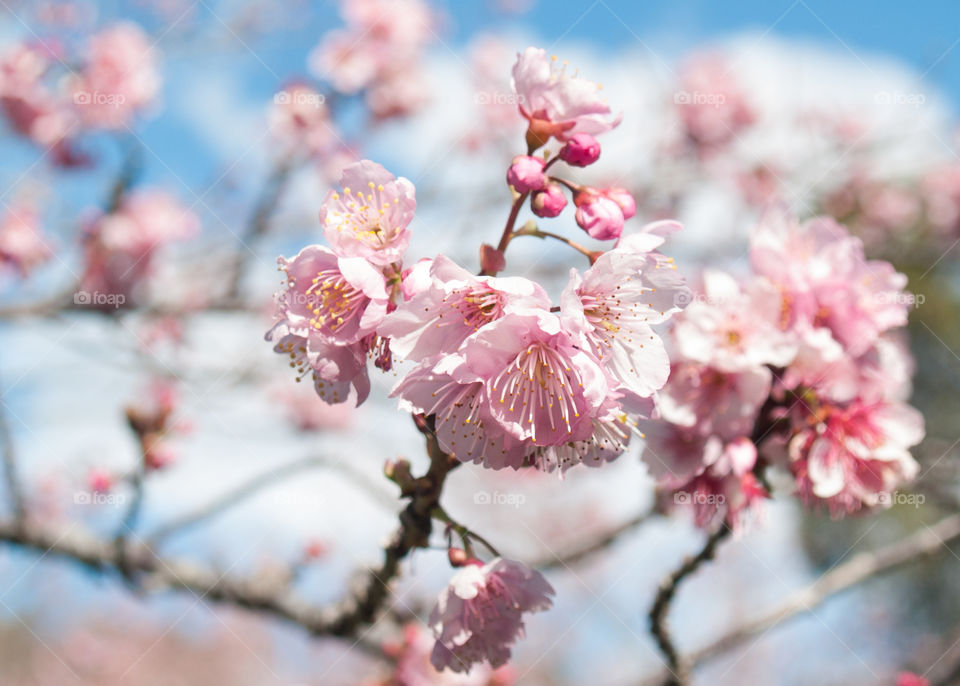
(119, 78)
(711, 105)
(300, 122)
(556, 104)
(413, 666)
(22, 245)
(479, 616)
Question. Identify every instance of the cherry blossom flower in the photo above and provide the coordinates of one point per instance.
(22, 245)
(581, 150)
(119, 79)
(300, 122)
(613, 306)
(712, 106)
(413, 666)
(526, 174)
(598, 215)
(455, 304)
(479, 616)
(555, 103)
(369, 219)
(548, 202)
(855, 456)
(339, 300)
(334, 369)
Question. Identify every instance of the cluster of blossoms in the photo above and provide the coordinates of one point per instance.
(119, 246)
(152, 420)
(378, 54)
(798, 366)
(499, 375)
(22, 245)
(113, 81)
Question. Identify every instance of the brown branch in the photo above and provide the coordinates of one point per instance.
(10, 465)
(679, 668)
(575, 555)
(249, 488)
(920, 545)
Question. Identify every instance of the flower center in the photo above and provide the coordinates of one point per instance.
(362, 214)
(333, 301)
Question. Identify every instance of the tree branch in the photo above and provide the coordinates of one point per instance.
(10, 465)
(679, 668)
(575, 555)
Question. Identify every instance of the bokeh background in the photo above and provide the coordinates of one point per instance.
(853, 112)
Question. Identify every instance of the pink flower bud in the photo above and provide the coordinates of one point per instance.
(526, 174)
(598, 215)
(457, 556)
(548, 202)
(492, 260)
(581, 150)
(622, 197)
(100, 481)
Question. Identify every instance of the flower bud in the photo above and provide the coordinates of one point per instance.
(526, 174)
(548, 202)
(598, 215)
(622, 197)
(458, 557)
(492, 260)
(581, 150)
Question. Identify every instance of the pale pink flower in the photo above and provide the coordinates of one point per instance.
(540, 385)
(455, 304)
(119, 247)
(911, 679)
(613, 306)
(119, 79)
(709, 401)
(855, 456)
(413, 666)
(334, 369)
(479, 616)
(300, 122)
(369, 219)
(308, 413)
(732, 328)
(555, 103)
(825, 279)
(22, 245)
(712, 106)
(340, 300)
(398, 92)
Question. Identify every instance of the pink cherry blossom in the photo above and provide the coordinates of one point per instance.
(825, 279)
(733, 327)
(22, 245)
(613, 306)
(334, 369)
(369, 219)
(712, 106)
(300, 122)
(119, 79)
(413, 666)
(340, 300)
(438, 318)
(479, 616)
(555, 103)
(855, 456)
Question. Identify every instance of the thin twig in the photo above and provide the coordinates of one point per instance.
(597, 545)
(10, 465)
(253, 485)
(679, 669)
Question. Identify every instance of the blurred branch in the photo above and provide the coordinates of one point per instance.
(259, 223)
(597, 545)
(10, 464)
(251, 487)
(920, 545)
(263, 593)
(679, 668)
